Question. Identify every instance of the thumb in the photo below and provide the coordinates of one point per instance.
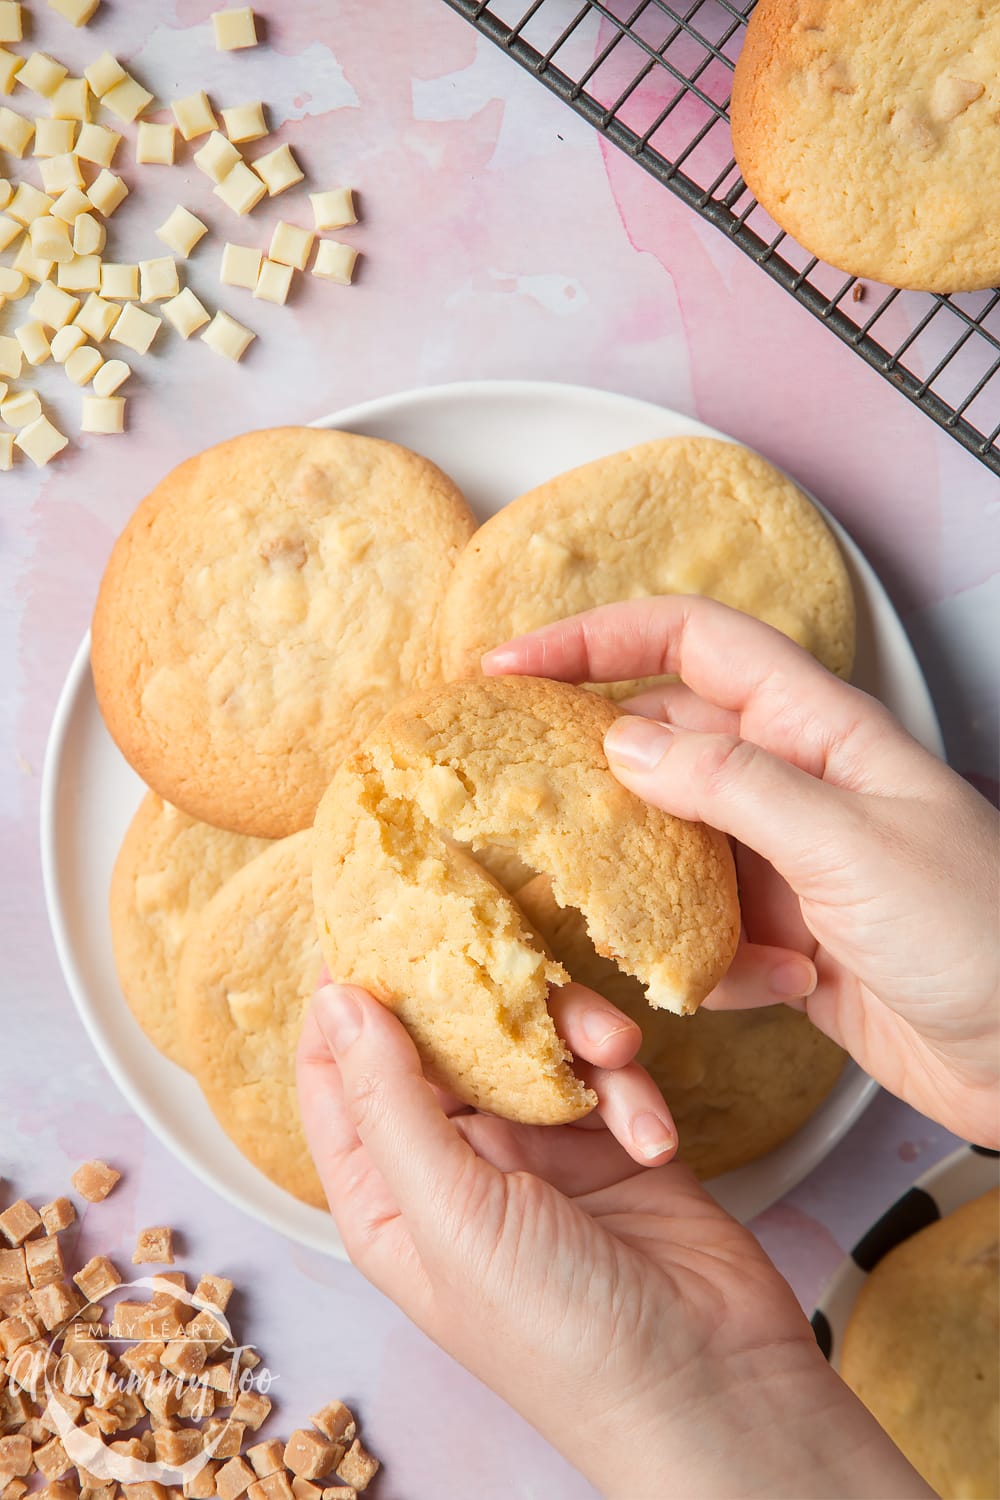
(795, 821)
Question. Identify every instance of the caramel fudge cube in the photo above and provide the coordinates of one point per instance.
(309, 1455)
(19, 1221)
(357, 1467)
(266, 1457)
(94, 1180)
(13, 1270)
(252, 1408)
(214, 1292)
(57, 1215)
(43, 1260)
(336, 1422)
(97, 1278)
(154, 1244)
(273, 1487)
(56, 1303)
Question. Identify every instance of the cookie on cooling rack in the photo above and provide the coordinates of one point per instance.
(679, 516)
(168, 867)
(250, 964)
(738, 1082)
(921, 1349)
(262, 609)
(868, 130)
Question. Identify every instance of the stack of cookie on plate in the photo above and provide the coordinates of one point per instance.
(296, 617)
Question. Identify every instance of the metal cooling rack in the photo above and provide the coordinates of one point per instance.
(655, 79)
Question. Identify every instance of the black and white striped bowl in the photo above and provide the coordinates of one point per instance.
(967, 1173)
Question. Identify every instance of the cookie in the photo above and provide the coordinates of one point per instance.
(738, 1082)
(250, 965)
(678, 516)
(168, 867)
(868, 130)
(517, 762)
(262, 609)
(920, 1349)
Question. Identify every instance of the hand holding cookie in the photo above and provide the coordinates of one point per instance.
(859, 850)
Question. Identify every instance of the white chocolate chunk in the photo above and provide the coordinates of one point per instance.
(135, 329)
(241, 189)
(155, 144)
(66, 342)
(54, 308)
(279, 170)
(240, 266)
(50, 239)
(106, 192)
(97, 143)
(6, 450)
(181, 231)
(83, 364)
(13, 283)
(10, 65)
(42, 74)
(245, 122)
(334, 209)
(158, 279)
(234, 29)
(10, 21)
(104, 73)
(127, 99)
(29, 204)
(70, 204)
(61, 172)
(104, 414)
(274, 282)
(53, 137)
(227, 337)
(15, 131)
(34, 342)
(290, 245)
(9, 231)
(11, 357)
(97, 318)
(6, 192)
(112, 374)
(194, 115)
(21, 409)
(185, 312)
(89, 234)
(217, 157)
(120, 280)
(335, 262)
(27, 261)
(81, 274)
(41, 441)
(71, 100)
(76, 12)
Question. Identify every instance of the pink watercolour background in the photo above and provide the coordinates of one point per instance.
(500, 238)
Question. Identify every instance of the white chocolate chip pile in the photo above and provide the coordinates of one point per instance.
(118, 1390)
(61, 298)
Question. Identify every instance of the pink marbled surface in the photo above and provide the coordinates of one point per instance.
(501, 238)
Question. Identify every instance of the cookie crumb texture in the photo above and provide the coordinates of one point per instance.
(868, 130)
(262, 609)
(676, 516)
(517, 762)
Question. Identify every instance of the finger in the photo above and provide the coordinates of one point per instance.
(634, 1111)
(801, 825)
(785, 700)
(592, 1027)
(763, 975)
(674, 703)
(573, 1161)
(391, 1107)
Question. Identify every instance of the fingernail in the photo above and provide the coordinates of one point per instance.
(652, 1135)
(338, 1016)
(793, 979)
(500, 659)
(599, 1026)
(637, 744)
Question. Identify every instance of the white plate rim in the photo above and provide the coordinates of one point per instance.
(312, 1227)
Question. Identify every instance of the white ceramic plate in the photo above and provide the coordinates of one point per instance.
(958, 1178)
(496, 439)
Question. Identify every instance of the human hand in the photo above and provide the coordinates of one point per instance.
(620, 1310)
(867, 868)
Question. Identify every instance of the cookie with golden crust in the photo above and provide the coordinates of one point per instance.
(250, 965)
(738, 1082)
(920, 1349)
(868, 130)
(262, 609)
(677, 516)
(518, 762)
(168, 867)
